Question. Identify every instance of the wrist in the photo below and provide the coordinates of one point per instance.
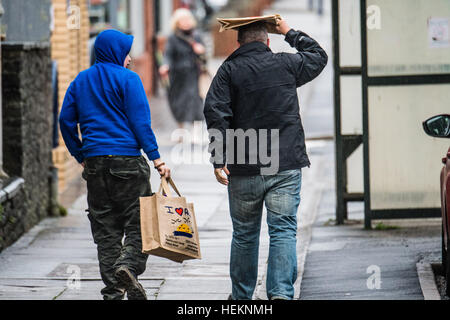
(286, 30)
(290, 30)
(290, 37)
(159, 165)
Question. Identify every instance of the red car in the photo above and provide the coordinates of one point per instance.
(439, 126)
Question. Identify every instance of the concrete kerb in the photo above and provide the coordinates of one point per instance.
(427, 281)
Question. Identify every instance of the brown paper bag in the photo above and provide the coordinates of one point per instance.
(234, 23)
(168, 225)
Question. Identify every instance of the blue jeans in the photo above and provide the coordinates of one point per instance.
(281, 195)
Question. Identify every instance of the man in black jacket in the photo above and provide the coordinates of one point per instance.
(257, 140)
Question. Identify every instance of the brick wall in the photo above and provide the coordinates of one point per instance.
(69, 47)
(144, 65)
(27, 122)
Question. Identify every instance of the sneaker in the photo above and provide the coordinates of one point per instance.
(134, 289)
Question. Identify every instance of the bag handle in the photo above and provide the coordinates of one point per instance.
(164, 187)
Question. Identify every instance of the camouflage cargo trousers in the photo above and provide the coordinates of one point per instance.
(114, 185)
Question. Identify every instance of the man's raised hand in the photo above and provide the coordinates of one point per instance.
(283, 27)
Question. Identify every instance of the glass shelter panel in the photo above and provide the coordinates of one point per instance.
(351, 105)
(349, 33)
(405, 163)
(355, 171)
(408, 37)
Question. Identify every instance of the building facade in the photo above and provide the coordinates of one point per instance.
(76, 25)
(69, 48)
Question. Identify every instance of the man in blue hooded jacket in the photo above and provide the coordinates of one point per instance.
(109, 104)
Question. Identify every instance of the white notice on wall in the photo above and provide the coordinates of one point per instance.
(438, 32)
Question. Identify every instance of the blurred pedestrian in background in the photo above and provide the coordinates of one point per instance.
(184, 61)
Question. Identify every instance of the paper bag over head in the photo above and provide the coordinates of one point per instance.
(234, 23)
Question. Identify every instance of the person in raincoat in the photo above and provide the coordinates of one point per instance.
(184, 59)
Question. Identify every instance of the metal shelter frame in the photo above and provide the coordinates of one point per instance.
(347, 144)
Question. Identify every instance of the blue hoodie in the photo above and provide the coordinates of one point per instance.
(110, 104)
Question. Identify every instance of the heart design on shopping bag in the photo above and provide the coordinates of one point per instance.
(179, 211)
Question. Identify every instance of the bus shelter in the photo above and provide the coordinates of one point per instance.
(391, 72)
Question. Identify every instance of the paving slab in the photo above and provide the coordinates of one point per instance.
(338, 257)
(26, 289)
(194, 286)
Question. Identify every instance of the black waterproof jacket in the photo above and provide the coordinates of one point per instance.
(257, 89)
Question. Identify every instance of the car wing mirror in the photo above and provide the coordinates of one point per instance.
(438, 126)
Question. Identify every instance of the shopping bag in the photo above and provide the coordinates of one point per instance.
(168, 225)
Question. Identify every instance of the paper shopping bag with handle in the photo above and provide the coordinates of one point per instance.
(168, 225)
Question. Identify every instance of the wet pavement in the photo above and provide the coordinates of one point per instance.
(333, 260)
